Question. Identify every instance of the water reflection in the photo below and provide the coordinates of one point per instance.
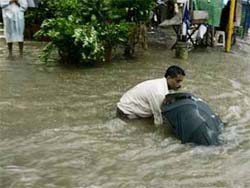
(58, 126)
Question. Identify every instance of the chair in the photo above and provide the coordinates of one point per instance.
(198, 18)
(220, 38)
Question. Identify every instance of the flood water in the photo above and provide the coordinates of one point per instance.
(58, 127)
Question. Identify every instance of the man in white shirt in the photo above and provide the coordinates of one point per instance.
(145, 99)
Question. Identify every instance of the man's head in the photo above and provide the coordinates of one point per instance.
(174, 76)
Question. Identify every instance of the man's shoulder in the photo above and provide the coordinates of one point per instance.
(151, 84)
(157, 80)
(154, 83)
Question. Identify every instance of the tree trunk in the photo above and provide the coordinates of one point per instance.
(108, 54)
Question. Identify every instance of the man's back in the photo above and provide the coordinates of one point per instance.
(144, 99)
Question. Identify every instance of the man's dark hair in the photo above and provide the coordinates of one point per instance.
(173, 71)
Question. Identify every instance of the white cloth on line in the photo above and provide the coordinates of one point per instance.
(13, 18)
(31, 3)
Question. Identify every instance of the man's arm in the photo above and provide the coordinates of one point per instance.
(155, 102)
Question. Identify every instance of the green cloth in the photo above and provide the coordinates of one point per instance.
(214, 8)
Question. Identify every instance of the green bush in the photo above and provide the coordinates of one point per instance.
(84, 30)
(137, 11)
(91, 48)
(75, 43)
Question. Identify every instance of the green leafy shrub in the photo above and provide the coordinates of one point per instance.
(83, 31)
(113, 35)
(75, 43)
(137, 11)
(91, 48)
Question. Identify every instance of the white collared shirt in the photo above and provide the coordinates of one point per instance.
(145, 100)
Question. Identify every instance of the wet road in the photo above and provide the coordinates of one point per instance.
(58, 127)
